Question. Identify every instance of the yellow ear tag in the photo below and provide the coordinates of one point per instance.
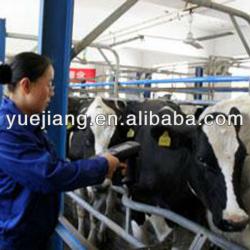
(69, 125)
(164, 140)
(131, 133)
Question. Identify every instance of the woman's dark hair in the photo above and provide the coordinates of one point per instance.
(26, 64)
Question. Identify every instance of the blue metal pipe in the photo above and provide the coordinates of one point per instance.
(55, 40)
(214, 79)
(2, 47)
(192, 80)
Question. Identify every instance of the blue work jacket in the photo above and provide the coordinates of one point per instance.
(31, 179)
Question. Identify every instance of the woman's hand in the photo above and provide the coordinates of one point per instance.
(114, 164)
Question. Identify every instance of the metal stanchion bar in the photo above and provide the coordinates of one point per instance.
(113, 226)
(198, 242)
(69, 237)
(197, 102)
(188, 90)
(203, 89)
(182, 221)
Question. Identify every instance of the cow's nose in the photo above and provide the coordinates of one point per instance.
(235, 222)
(237, 219)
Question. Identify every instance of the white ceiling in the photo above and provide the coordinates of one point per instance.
(205, 22)
(23, 17)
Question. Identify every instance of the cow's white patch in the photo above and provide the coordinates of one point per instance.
(102, 134)
(224, 143)
(167, 108)
(139, 232)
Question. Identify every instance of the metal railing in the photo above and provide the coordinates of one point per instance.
(202, 235)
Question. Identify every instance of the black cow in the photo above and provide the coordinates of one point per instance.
(185, 173)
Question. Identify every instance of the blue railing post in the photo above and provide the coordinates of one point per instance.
(55, 40)
(2, 47)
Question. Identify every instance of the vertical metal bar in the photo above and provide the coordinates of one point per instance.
(117, 59)
(147, 93)
(106, 59)
(55, 39)
(2, 47)
(109, 63)
(198, 242)
(128, 217)
(242, 38)
(198, 73)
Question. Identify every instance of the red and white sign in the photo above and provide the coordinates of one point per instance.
(82, 75)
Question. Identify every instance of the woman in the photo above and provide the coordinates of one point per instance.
(31, 174)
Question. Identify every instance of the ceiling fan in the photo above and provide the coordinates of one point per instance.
(190, 39)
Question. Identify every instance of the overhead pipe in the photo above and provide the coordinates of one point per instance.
(85, 42)
(240, 34)
(35, 38)
(132, 69)
(100, 46)
(93, 45)
(222, 8)
(21, 36)
(139, 37)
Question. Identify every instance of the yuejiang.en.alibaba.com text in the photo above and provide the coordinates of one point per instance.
(143, 118)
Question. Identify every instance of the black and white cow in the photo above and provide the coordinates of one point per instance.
(225, 143)
(198, 169)
(94, 139)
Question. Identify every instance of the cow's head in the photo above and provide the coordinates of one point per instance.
(214, 170)
(94, 138)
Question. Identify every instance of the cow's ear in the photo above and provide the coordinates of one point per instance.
(236, 118)
(157, 131)
(184, 131)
